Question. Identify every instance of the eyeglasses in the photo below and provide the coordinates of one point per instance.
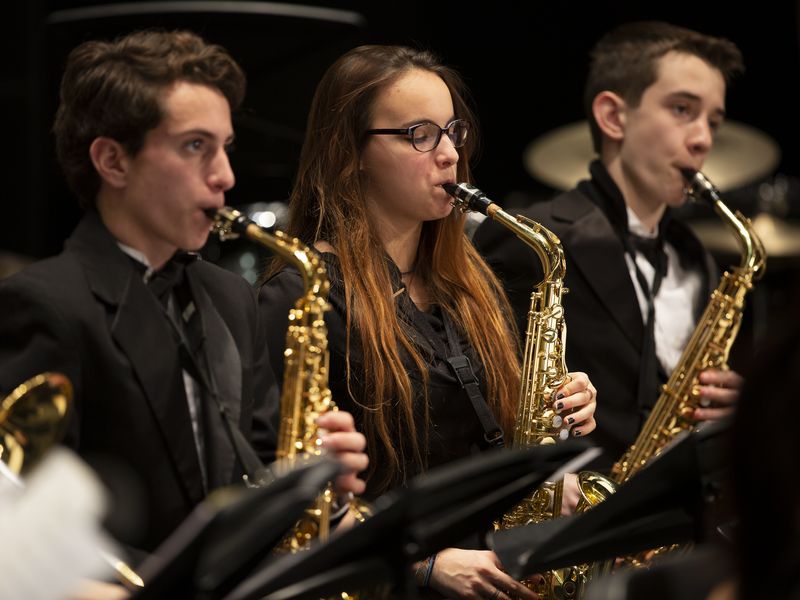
(426, 136)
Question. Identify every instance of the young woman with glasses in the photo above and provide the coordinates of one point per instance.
(388, 126)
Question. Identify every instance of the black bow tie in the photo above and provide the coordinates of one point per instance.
(170, 276)
(653, 251)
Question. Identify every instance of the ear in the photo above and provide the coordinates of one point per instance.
(110, 160)
(609, 109)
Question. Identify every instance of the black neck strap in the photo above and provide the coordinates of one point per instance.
(193, 360)
(461, 367)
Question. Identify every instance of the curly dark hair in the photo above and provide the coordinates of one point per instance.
(114, 89)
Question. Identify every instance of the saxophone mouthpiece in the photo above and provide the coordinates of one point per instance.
(210, 212)
(467, 197)
(450, 188)
(698, 187)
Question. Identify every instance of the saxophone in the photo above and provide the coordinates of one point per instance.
(305, 394)
(708, 347)
(710, 343)
(32, 420)
(543, 372)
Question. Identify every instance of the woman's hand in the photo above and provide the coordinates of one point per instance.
(571, 494)
(474, 575)
(576, 401)
(347, 445)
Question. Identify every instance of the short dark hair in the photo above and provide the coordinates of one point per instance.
(625, 60)
(113, 89)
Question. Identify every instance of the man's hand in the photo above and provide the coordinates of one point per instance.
(719, 392)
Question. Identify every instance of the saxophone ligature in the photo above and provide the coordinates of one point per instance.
(543, 372)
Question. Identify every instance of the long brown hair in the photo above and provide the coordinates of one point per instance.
(328, 203)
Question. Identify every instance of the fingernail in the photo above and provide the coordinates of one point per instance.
(559, 406)
(570, 420)
(576, 433)
(560, 396)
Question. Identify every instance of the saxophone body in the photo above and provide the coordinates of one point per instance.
(710, 343)
(543, 372)
(305, 394)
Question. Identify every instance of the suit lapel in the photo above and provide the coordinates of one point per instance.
(223, 386)
(594, 249)
(141, 330)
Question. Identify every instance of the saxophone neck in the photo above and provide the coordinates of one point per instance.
(750, 245)
(544, 242)
(753, 261)
(229, 223)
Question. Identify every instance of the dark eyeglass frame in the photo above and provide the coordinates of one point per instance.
(409, 131)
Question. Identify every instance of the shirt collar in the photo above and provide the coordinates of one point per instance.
(607, 196)
(140, 258)
(636, 226)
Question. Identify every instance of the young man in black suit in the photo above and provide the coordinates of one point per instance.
(655, 96)
(165, 351)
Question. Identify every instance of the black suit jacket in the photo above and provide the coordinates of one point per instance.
(87, 313)
(605, 332)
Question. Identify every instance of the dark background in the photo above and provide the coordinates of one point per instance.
(525, 64)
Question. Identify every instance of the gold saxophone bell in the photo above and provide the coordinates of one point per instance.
(32, 419)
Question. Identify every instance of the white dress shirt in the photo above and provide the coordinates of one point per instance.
(675, 303)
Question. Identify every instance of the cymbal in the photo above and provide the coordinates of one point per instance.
(781, 238)
(741, 155)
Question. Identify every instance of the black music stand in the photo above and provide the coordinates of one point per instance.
(686, 576)
(229, 533)
(438, 509)
(664, 504)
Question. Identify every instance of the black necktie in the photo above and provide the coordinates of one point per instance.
(220, 431)
(170, 280)
(653, 251)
